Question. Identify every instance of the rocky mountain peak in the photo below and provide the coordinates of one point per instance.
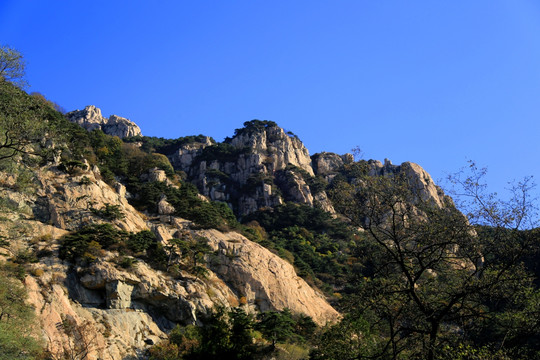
(278, 147)
(248, 170)
(417, 177)
(90, 118)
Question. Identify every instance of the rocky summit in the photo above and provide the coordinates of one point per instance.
(263, 166)
(90, 118)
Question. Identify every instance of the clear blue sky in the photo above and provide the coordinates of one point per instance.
(433, 82)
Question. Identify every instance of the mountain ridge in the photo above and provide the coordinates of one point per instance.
(120, 231)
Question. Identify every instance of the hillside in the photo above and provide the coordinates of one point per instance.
(139, 247)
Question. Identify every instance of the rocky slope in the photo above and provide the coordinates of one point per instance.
(122, 310)
(124, 303)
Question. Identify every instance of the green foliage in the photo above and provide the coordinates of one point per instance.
(88, 240)
(318, 243)
(117, 159)
(241, 338)
(255, 181)
(276, 326)
(26, 123)
(16, 321)
(468, 352)
(4, 243)
(222, 152)
(254, 126)
(48, 102)
(192, 250)
(183, 342)
(109, 212)
(141, 241)
(432, 275)
(231, 334)
(128, 262)
(158, 257)
(85, 181)
(349, 339)
(12, 66)
(224, 335)
(73, 167)
(25, 256)
(188, 205)
(160, 161)
(160, 145)
(215, 335)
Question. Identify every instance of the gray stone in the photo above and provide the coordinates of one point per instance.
(90, 118)
(164, 208)
(118, 295)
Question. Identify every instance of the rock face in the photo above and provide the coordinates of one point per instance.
(417, 176)
(243, 171)
(90, 118)
(281, 149)
(122, 310)
(121, 127)
(66, 201)
(262, 166)
(184, 156)
(264, 279)
(328, 164)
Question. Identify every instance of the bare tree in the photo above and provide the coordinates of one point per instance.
(432, 269)
(79, 342)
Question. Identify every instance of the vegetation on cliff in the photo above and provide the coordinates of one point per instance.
(413, 276)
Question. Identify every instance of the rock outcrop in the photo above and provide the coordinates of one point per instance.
(327, 164)
(185, 155)
(70, 201)
(123, 310)
(243, 170)
(424, 185)
(265, 280)
(281, 149)
(262, 166)
(90, 118)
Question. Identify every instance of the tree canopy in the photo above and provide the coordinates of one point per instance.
(12, 66)
(434, 279)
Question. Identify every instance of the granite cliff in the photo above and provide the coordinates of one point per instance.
(123, 310)
(114, 256)
(262, 166)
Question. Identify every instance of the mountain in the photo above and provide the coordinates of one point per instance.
(120, 238)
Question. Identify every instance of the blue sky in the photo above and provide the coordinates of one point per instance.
(432, 82)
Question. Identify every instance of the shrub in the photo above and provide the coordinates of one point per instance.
(109, 212)
(187, 204)
(141, 241)
(77, 244)
(38, 272)
(85, 181)
(73, 167)
(25, 256)
(128, 262)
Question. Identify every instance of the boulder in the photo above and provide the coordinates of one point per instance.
(164, 208)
